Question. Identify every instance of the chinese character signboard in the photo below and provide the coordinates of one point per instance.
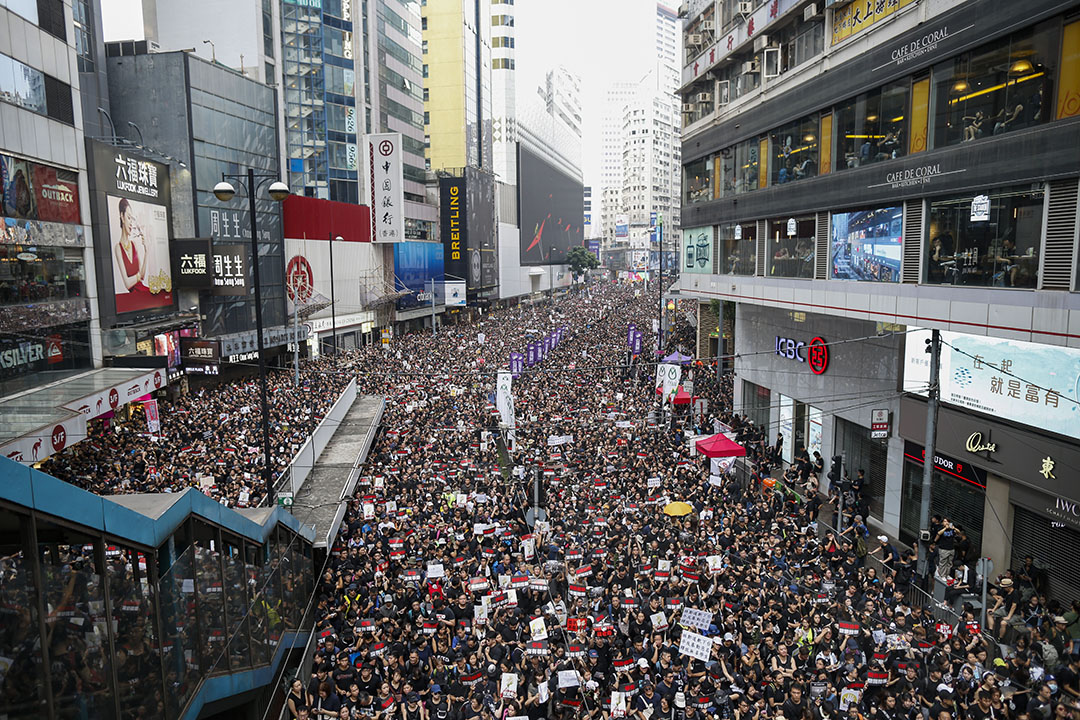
(1013, 380)
(230, 269)
(386, 194)
(192, 263)
(131, 208)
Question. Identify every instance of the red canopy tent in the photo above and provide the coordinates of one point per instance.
(681, 397)
(720, 445)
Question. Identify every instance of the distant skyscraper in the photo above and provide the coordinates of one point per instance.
(458, 97)
(504, 133)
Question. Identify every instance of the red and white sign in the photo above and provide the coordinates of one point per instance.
(99, 403)
(747, 29)
(46, 441)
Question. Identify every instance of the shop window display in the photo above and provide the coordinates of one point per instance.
(989, 239)
(698, 181)
(873, 126)
(795, 151)
(791, 247)
(1003, 86)
(738, 249)
(866, 244)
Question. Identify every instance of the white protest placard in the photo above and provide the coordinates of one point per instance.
(716, 481)
(391, 506)
(528, 548)
(568, 678)
(511, 598)
(663, 570)
(543, 693)
(369, 511)
(692, 617)
(461, 499)
(504, 581)
(716, 563)
(435, 570)
(653, 482)
(659, 622)
(538, 628)
(696, 646)
(618, 704)
(508, 685)
(624, 424)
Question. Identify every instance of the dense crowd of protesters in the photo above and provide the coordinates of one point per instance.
(210, 439)
(441, 601)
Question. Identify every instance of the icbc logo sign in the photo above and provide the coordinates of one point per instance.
(59, 438)
(815, 354)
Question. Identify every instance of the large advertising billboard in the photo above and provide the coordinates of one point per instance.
(1028, 383)
(131, 209)
(455, 234)
(32, 191)
(866, 244)
(416, 264)
(551, 211)
(482, 241)
(697, 250)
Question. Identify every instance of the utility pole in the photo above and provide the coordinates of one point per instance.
(934, 348)
(296, 337)
(660, 312)
(433, 331)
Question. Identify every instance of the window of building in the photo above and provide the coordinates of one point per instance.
(1002, 86)
(989, 239)
(268, 29)
(791, 247)
(866, 244)
(26, 8)
(84, 34)
(747, 166)
(873, 126)
(795, 150)
(697, 181)
(738, 248)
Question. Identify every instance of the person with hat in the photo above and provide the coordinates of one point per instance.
(1004, 612)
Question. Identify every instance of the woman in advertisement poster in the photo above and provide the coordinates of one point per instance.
(140, 255)
(130, 251)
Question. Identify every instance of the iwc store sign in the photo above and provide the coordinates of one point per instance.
(815, 353)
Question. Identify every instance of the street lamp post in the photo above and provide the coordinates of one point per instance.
(278, 191)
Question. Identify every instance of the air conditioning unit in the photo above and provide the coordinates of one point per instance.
(745, 8)
(810, 12)
(761, 42)
(708, 26)
(705, 97)
(688, 107)
(750, 67)
(693, 39)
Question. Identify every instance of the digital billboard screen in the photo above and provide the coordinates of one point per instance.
(551, 211)
(866, 244)
(415, 265)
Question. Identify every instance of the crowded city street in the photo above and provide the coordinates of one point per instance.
(442, 599)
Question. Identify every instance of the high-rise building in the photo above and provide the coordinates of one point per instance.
(504, 134)
(393, 98)
(48, 287)
(649, 186)
(857, 175)
(457, 82)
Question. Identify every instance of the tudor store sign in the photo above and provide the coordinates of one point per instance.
(815, 353)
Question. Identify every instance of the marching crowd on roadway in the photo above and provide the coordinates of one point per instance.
(442, 601)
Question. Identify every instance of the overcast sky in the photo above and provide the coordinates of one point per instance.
(602, 41)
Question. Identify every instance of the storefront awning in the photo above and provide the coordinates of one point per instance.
(38, 423)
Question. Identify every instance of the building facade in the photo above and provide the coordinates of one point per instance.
(935, 187)
(48, 284)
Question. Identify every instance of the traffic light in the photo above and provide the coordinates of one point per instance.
(836, 471)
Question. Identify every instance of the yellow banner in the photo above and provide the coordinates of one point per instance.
(825, 162)
(920, 115)
(1069, 89)
(763, 163)
(861, 14)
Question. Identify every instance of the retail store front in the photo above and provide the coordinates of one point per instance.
(1022, 479)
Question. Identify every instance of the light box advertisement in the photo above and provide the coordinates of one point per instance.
(1039, 392)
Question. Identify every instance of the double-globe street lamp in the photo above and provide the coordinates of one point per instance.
(278, 191)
